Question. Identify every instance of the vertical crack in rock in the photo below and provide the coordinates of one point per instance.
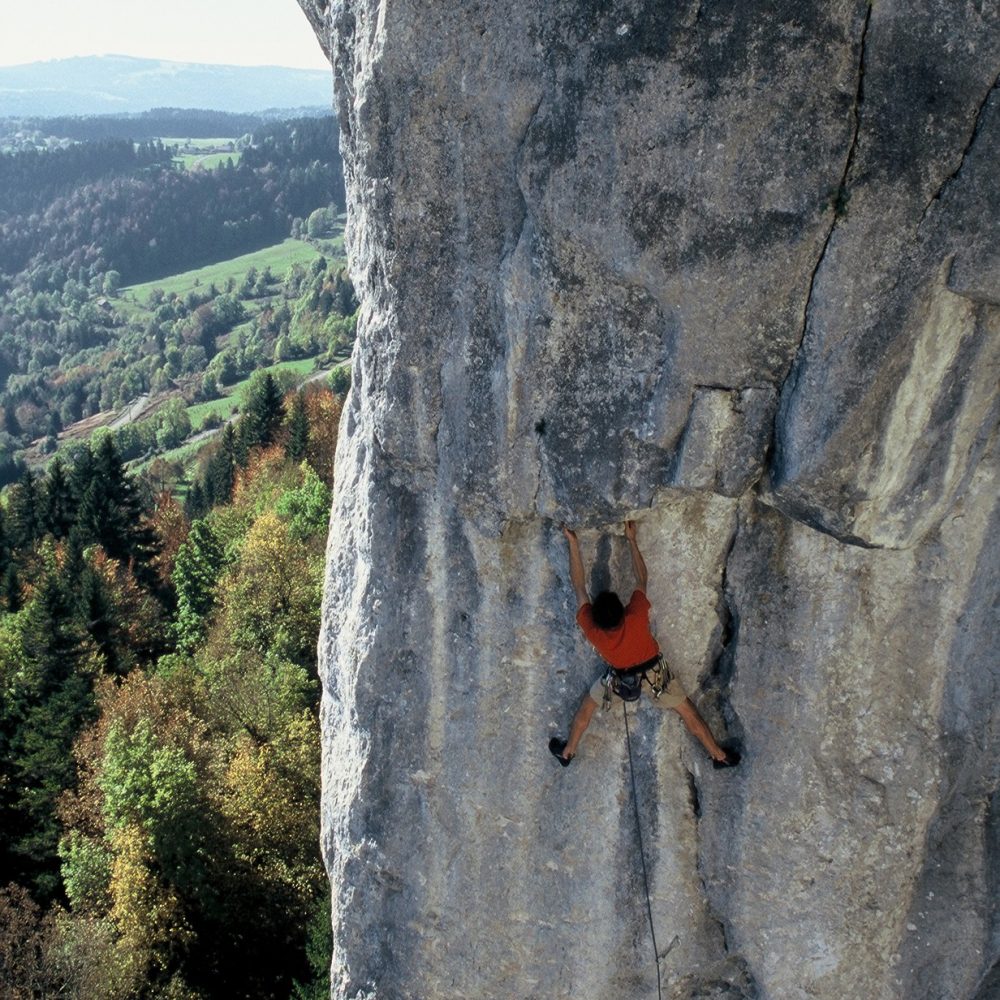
(677, 456)
(720, 673)
(839, 206)
(841, 198)
(773, 451)
(714, 919)
(693, 796)
(973, 136)
(719, 676)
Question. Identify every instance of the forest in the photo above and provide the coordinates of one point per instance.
(159, 732)
(159, 748)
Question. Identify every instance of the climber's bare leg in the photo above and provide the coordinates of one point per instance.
(698, 728)
(579, 725)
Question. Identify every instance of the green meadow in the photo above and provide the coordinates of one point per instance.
(221, 142)
(205, 161)
(278, 258)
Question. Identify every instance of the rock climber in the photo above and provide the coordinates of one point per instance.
(622, 637)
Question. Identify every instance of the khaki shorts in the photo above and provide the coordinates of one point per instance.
(670, 697)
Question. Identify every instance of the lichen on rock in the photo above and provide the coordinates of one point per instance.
(730, 269)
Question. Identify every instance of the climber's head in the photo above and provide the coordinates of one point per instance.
(608, 611)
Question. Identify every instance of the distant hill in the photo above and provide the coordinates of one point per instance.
(90, 85)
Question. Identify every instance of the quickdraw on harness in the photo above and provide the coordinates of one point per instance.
(627, 684)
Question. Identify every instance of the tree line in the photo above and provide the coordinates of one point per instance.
(192, 123)
(30, 179)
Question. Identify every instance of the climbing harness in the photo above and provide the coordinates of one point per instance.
(627, 684)
(642, 854)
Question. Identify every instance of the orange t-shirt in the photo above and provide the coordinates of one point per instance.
(628, 645)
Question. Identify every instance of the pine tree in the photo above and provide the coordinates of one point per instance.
(24, 512)
(298, 429)
(10, 421)
(221, 471)
(110, 513)
(4, 544)
(346, 302)
(58, 504)
(262, 414)
(73, 563)
(194, 503)
(91, 514)
(95, 611)
(11, 589)
(53, 701)
(82, 473)
(115, 500)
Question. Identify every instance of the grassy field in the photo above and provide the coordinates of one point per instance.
(223, 407)
(332, 248)
(205, 161)
(223, 142)
(279, 258)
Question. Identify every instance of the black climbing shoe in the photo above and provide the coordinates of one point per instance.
(556, 747)
(732, 759)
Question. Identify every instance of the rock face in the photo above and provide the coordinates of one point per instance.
(731, 268)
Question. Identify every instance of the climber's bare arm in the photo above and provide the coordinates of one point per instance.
(638, 564)
(576, 574)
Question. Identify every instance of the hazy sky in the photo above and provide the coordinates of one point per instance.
(238, 32)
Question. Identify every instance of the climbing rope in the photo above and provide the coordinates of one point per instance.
(642, 854)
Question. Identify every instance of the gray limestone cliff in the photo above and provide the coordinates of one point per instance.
(731, 268)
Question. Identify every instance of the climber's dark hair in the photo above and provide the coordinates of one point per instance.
(608, 610)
